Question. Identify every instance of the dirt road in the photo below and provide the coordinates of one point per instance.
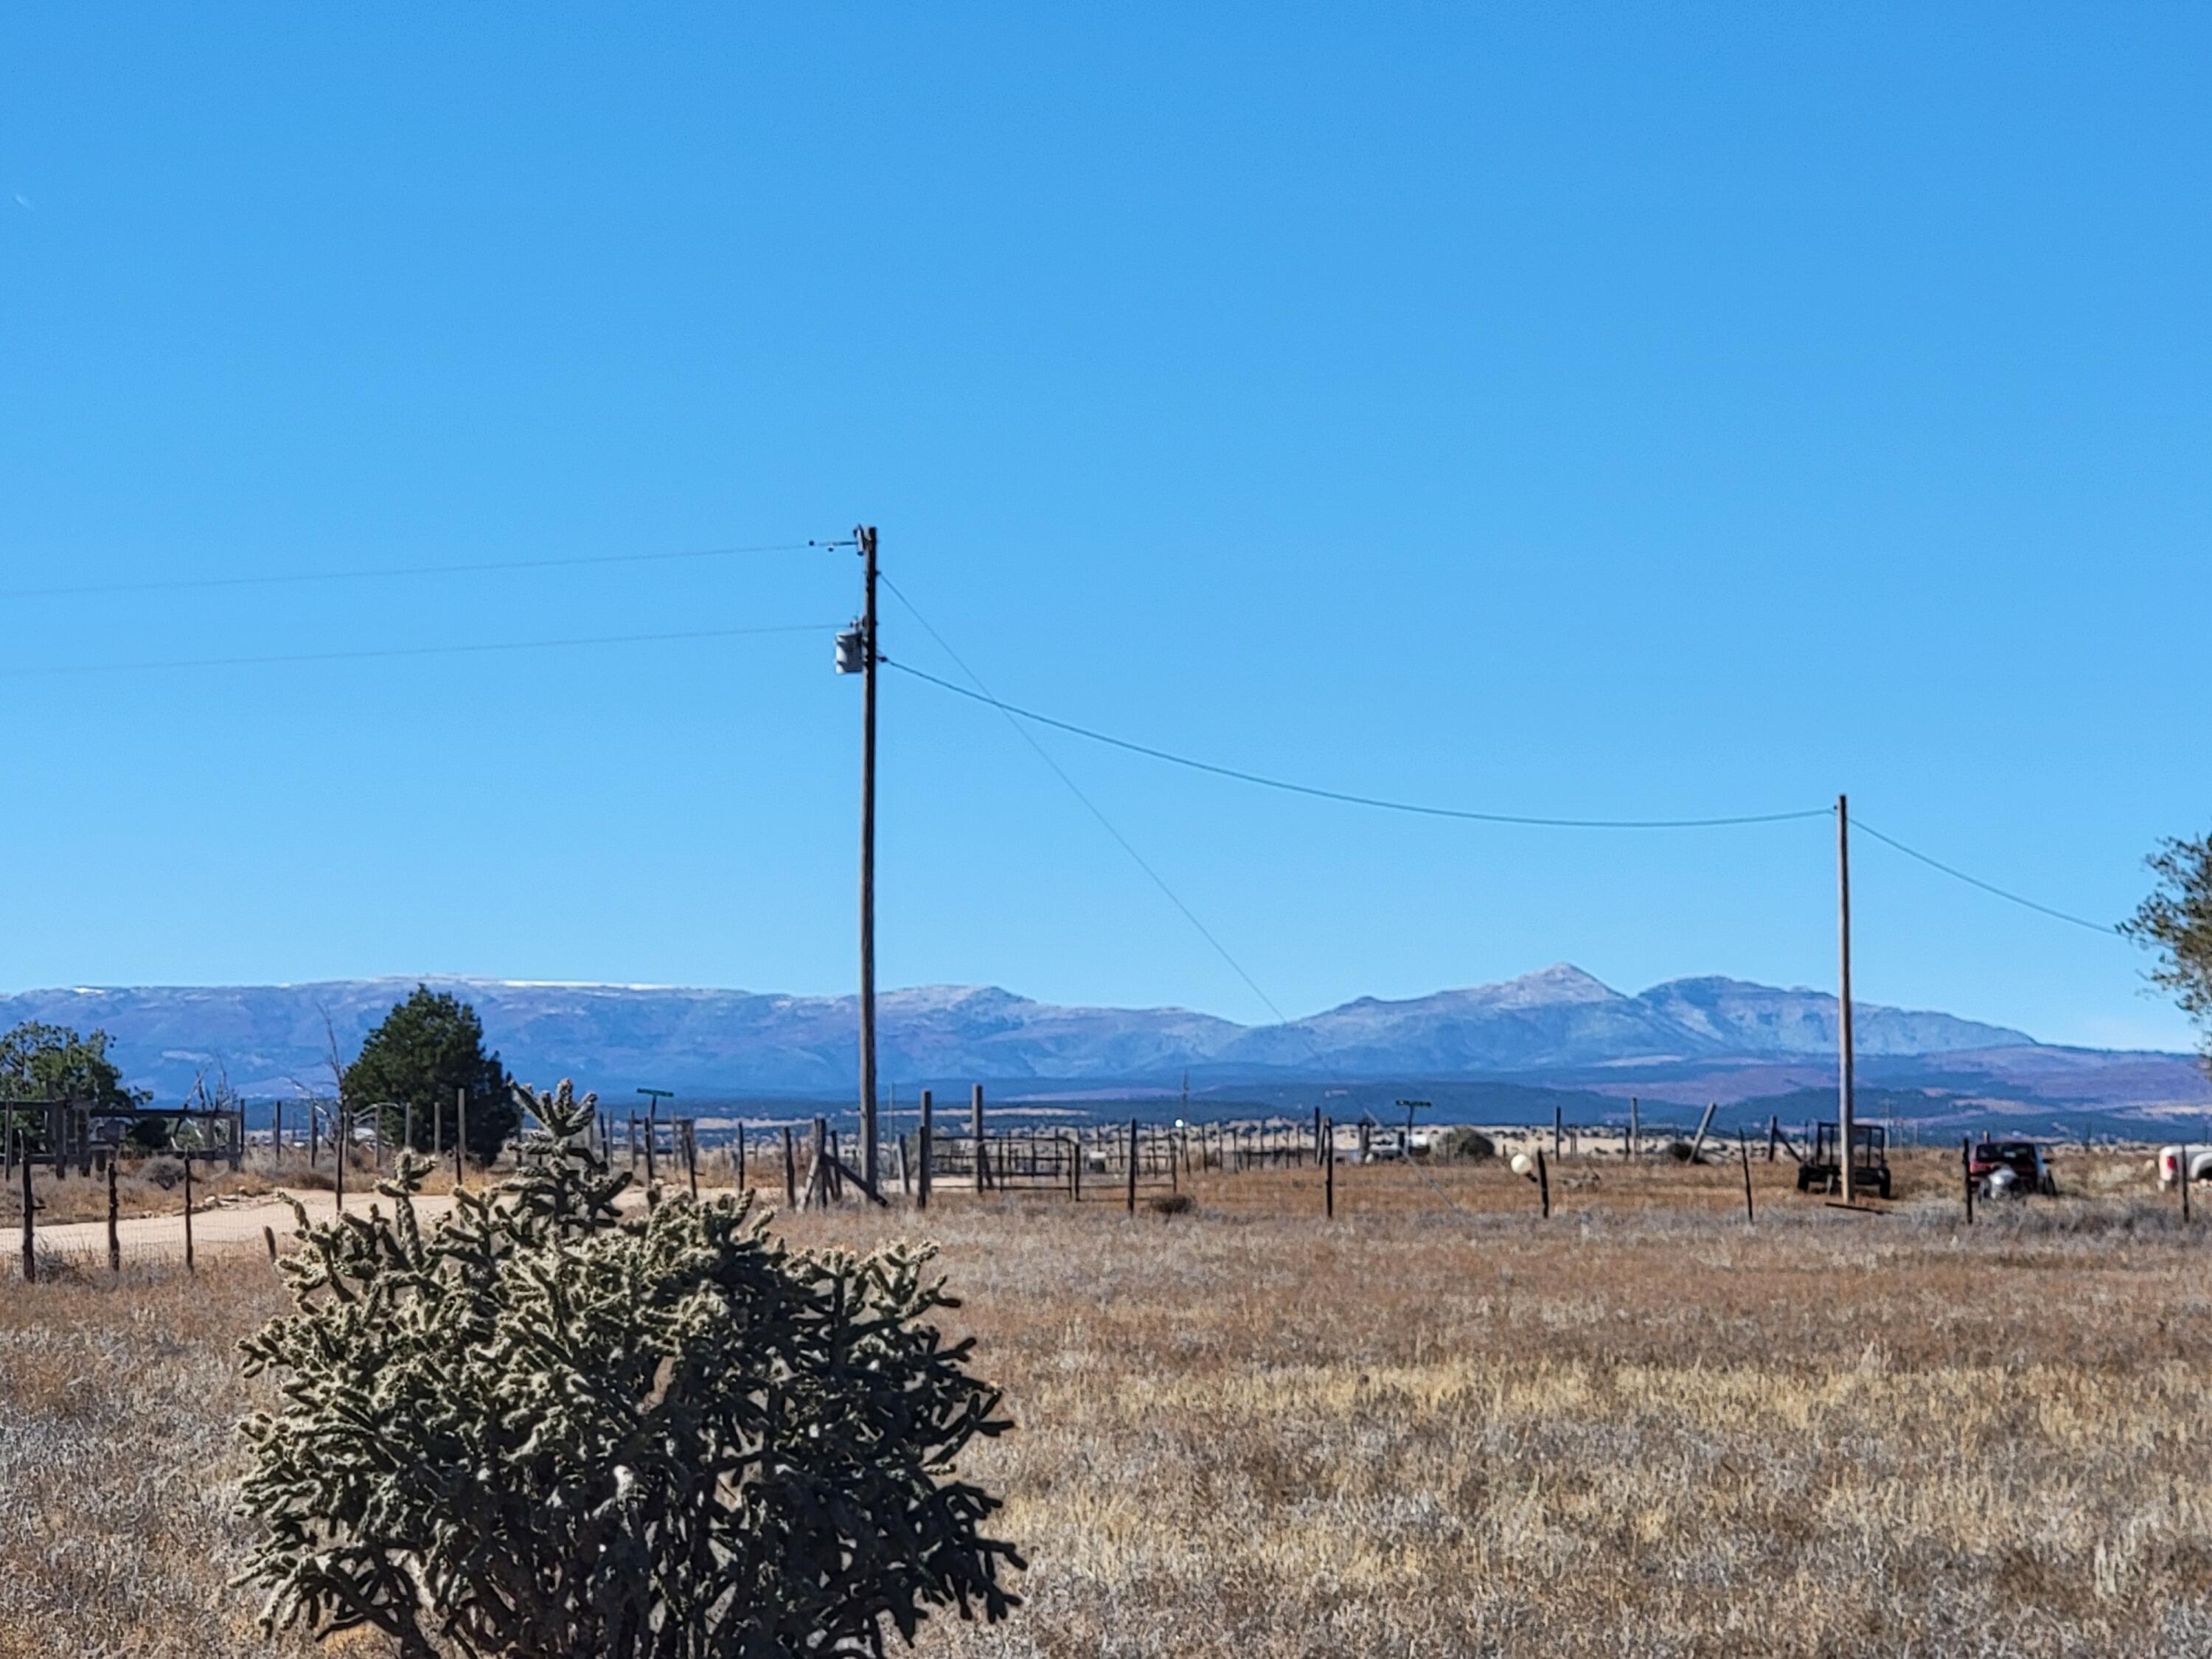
(225, 1226)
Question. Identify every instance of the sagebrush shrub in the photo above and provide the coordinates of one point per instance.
(544, 1429)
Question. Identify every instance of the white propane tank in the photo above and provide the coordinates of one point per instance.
(1523, 1164)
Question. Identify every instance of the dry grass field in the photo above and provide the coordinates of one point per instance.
(1436, 1426)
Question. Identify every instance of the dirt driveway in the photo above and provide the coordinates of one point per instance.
(223, 1226)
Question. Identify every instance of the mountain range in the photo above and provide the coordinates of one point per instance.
(1686, 1039)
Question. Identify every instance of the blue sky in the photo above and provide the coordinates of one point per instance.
(1575, 411)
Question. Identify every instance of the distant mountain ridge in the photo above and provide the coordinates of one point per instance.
(1557, 1023)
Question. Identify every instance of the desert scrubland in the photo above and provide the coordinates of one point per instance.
(1436, 1425)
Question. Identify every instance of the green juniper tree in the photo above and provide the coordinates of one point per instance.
(543, 1429)
(40, 1061)
(2176, 921)
(427, 1048)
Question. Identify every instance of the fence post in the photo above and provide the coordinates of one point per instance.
(407, 1129)
(1744, 1147)
(691, 1161)
(1133, 1166)
(188, 1212)
(1543, 1185)
(975, 1128)
(1773, 1136)
(790, 1172)
(1075, 1167)
(114, 1238)
(1328, 1169)
(741, 1158)
(1967, 1174)
(1635, 1129)
(341, 1143)
(1555, 1131)
(652, 1134)
(925, 1138)
(30, 1208)
(460, 1133)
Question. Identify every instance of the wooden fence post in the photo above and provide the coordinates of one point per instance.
(1773, 1136)
(114, 1238)
(188, 1212)
(269, 1237)
(1744, 1147)
(1133, 1166)
(741, 1158)
(691, 1160)
(407, 1129)
(1075, 1156)
(925, 1137)
(1543, 1185)
(790, 1172)
(652, 1134)
(1556, 1116)
(1635, 1129)
(975, 1128)
(341, 1143)
(1967, 1174)
(460, 1134)
(1328, 1169)
(1703, 1123)
(30, 1209)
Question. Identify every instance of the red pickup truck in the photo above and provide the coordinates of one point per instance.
(2014, 1167)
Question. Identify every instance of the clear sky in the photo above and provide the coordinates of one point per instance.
(1584, 410)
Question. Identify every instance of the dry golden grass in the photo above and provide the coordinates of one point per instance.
(1436, 1426)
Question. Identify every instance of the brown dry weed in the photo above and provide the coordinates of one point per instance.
(1436, 1426)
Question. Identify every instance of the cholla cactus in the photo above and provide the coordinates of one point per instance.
(540, 1429)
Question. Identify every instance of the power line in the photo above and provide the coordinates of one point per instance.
(982, 694)
(1976, 881)
(1282, 1019)
(60, 669)
(1418, 808)
(1016, 713)
(278, 578)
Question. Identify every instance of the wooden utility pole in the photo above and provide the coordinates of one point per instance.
(1844, 1102)
(865, 536)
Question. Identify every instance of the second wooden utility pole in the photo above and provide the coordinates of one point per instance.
(1843, 1089)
